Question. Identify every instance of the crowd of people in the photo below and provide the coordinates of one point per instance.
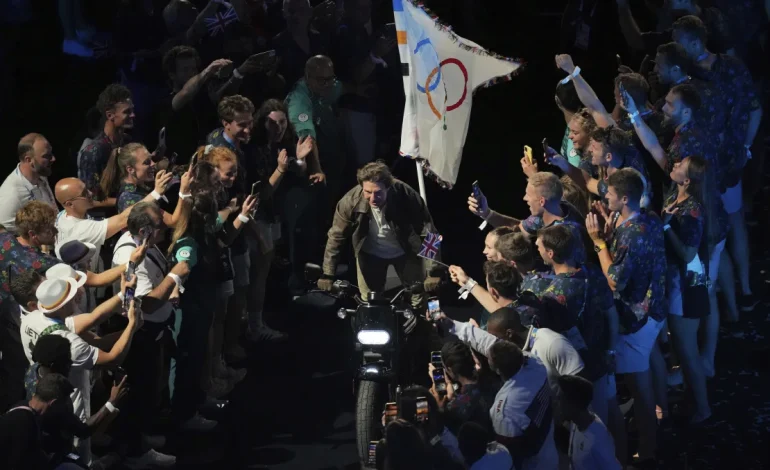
(230, 147)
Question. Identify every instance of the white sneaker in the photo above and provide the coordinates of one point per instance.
(76, 48)
(198, 423)
(152, 458)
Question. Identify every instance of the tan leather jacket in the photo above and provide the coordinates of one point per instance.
(405, 210)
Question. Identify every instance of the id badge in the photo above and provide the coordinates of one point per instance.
(582, 35)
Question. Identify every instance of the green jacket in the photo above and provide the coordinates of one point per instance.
(405, 210)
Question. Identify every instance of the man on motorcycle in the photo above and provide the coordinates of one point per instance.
(386, 220)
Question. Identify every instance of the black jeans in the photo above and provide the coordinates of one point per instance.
(144, 368)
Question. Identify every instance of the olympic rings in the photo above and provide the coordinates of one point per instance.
(437, 70)
(426, 42)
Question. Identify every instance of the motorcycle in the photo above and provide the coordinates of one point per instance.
(381, 327)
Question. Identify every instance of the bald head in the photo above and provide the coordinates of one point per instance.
(318, 64)
(68, 189)
(505, 323)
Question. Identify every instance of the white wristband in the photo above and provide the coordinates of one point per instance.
(666, 227)
(243, 218)
(574, 74)
(121, 297)
(177, 280)
(155, 195)
(184, 196)
(237, 74)
(470, 284)
(110, 407)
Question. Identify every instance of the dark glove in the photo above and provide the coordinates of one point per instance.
(431, 284)
(325, 284)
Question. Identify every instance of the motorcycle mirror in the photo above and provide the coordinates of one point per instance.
(313, 272)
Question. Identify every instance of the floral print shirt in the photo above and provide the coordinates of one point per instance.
(638, 269)
(16, 259)
(129, 195)
(732, 82)
(93, 159)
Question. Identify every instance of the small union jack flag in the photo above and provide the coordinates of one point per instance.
(430, 246)
(217, 23)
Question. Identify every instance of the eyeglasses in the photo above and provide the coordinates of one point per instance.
(86, 195)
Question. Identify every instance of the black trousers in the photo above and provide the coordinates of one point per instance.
(145, 369)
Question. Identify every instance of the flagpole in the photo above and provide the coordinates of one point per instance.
(421, 180)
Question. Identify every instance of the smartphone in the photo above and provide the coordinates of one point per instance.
(129, 295)
(194, 160)
(476, 190)
(391, 412)
(371, 459)
(265, 58)
(162, 137)
(117, 374)
(256, 188)
(528, 154)
(438, 371)
(622, 91)
(389, 30)
(145, 233)
(421, 415)
(434, 309)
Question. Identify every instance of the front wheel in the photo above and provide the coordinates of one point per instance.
(370, 404)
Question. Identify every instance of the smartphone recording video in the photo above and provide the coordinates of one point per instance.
(421, 416)
(371, 458)
(256, 188)
(391, 412)
(476, 190)
(434, 309)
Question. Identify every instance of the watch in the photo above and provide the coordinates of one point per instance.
(599, 247)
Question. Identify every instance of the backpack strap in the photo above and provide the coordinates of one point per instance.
(50, 329)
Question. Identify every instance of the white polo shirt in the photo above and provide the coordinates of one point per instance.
(84, 356)
(84, 230)
(592, 449)
(150, 273)
(16, 192)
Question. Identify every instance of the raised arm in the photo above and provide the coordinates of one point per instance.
(194, 85)
(585, 92)
(628, 26)
(645, 134)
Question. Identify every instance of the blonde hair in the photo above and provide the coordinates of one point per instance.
(115, 171)
(548, 185)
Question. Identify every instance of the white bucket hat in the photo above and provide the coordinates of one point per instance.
(53, 294)
(65, 271)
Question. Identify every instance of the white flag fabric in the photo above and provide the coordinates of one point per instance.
(441, 71)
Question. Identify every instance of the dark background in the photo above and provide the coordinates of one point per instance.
(294, 410)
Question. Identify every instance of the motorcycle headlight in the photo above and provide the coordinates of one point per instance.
(373, 337)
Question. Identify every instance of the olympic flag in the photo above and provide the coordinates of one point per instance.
(441, 71)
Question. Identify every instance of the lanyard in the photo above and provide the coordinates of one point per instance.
(44, 189)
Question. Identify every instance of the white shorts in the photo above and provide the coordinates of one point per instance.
(633, 350)
(732, 198)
